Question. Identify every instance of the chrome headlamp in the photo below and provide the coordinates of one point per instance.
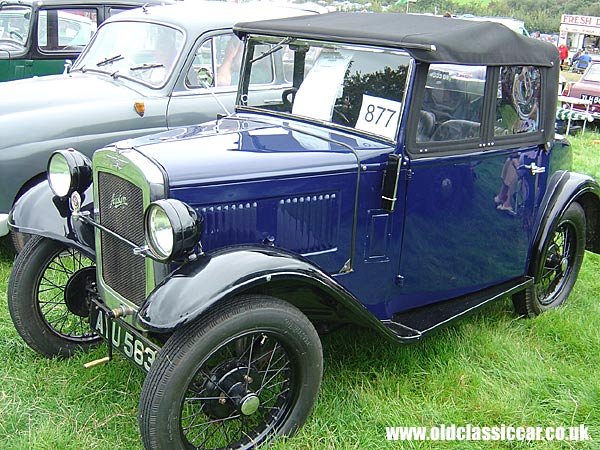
(172, 229)
(68, 171)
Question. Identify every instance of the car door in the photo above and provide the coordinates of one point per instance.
(208, 84)
(477, 171)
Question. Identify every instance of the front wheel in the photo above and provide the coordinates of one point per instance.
(248, 371)
(49, 297)
(562, 255)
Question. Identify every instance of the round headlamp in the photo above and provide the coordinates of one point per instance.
(69, 171)
(172, 229)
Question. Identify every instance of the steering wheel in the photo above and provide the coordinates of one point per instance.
(205, 77)
(285, 97)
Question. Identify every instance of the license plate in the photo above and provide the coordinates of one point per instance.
(595, 99)
(122, 337)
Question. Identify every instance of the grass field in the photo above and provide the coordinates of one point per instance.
(489, 369)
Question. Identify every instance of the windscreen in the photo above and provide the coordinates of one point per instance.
(355, 87)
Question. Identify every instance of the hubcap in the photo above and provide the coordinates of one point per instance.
(564, 264)
(235, 390)
(249, 404)
(76, 291)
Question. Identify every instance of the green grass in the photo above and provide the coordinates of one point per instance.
(489, 369)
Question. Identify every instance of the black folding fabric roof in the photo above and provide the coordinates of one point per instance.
(426, 38)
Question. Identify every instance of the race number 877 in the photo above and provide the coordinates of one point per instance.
(376, 113)
(379, 116)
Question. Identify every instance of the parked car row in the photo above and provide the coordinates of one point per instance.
(36, 36)
(381, 170)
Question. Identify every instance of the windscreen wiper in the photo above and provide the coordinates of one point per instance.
(273, 49)
(109, 60)
(146, 66)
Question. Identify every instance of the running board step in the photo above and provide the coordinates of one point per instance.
(415, 323)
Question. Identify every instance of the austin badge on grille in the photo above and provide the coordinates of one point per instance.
(117, 201)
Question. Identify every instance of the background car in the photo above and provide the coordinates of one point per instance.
(587, 88)
(145, 71)
(37, 36)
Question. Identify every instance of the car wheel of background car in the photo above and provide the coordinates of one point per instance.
(48, 297)
(247, 371)
(19, 240)
(561, 260)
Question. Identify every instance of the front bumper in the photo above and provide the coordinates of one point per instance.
(3, 224)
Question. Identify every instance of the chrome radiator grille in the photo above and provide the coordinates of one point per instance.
(121, 208)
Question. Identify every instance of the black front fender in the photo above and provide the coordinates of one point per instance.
(565, 188)
(40, 212)
(196, 286)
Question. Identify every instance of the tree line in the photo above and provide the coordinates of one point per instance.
(539, 15)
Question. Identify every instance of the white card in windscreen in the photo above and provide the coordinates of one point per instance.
(379, 116)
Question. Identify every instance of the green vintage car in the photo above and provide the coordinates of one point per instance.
(37, 36)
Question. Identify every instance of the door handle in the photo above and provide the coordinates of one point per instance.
(534, 169)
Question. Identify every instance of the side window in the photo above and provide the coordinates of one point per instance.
(200, 74)
(115, 10)
(217, 62)
(518, 101)
(452, 103)
(66, 29)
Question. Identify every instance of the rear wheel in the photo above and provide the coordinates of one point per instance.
(248, 371)
(49, 297)
(562, 255)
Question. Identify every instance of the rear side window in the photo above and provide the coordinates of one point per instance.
(66, 29)
(518, 101)
(452, 104)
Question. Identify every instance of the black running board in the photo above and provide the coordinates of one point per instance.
(414, 324)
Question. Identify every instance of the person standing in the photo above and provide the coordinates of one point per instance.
(563, 51)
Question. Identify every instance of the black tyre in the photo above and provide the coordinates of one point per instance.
(250, 370)
(19, 240)
(48, 297)
(562, 255)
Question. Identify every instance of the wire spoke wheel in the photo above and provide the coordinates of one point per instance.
(61, 295)
(49, 297)
(244, 373)
(558, 263)
(236, 397)
(561, 258)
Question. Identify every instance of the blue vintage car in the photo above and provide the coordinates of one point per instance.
(405, 176)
